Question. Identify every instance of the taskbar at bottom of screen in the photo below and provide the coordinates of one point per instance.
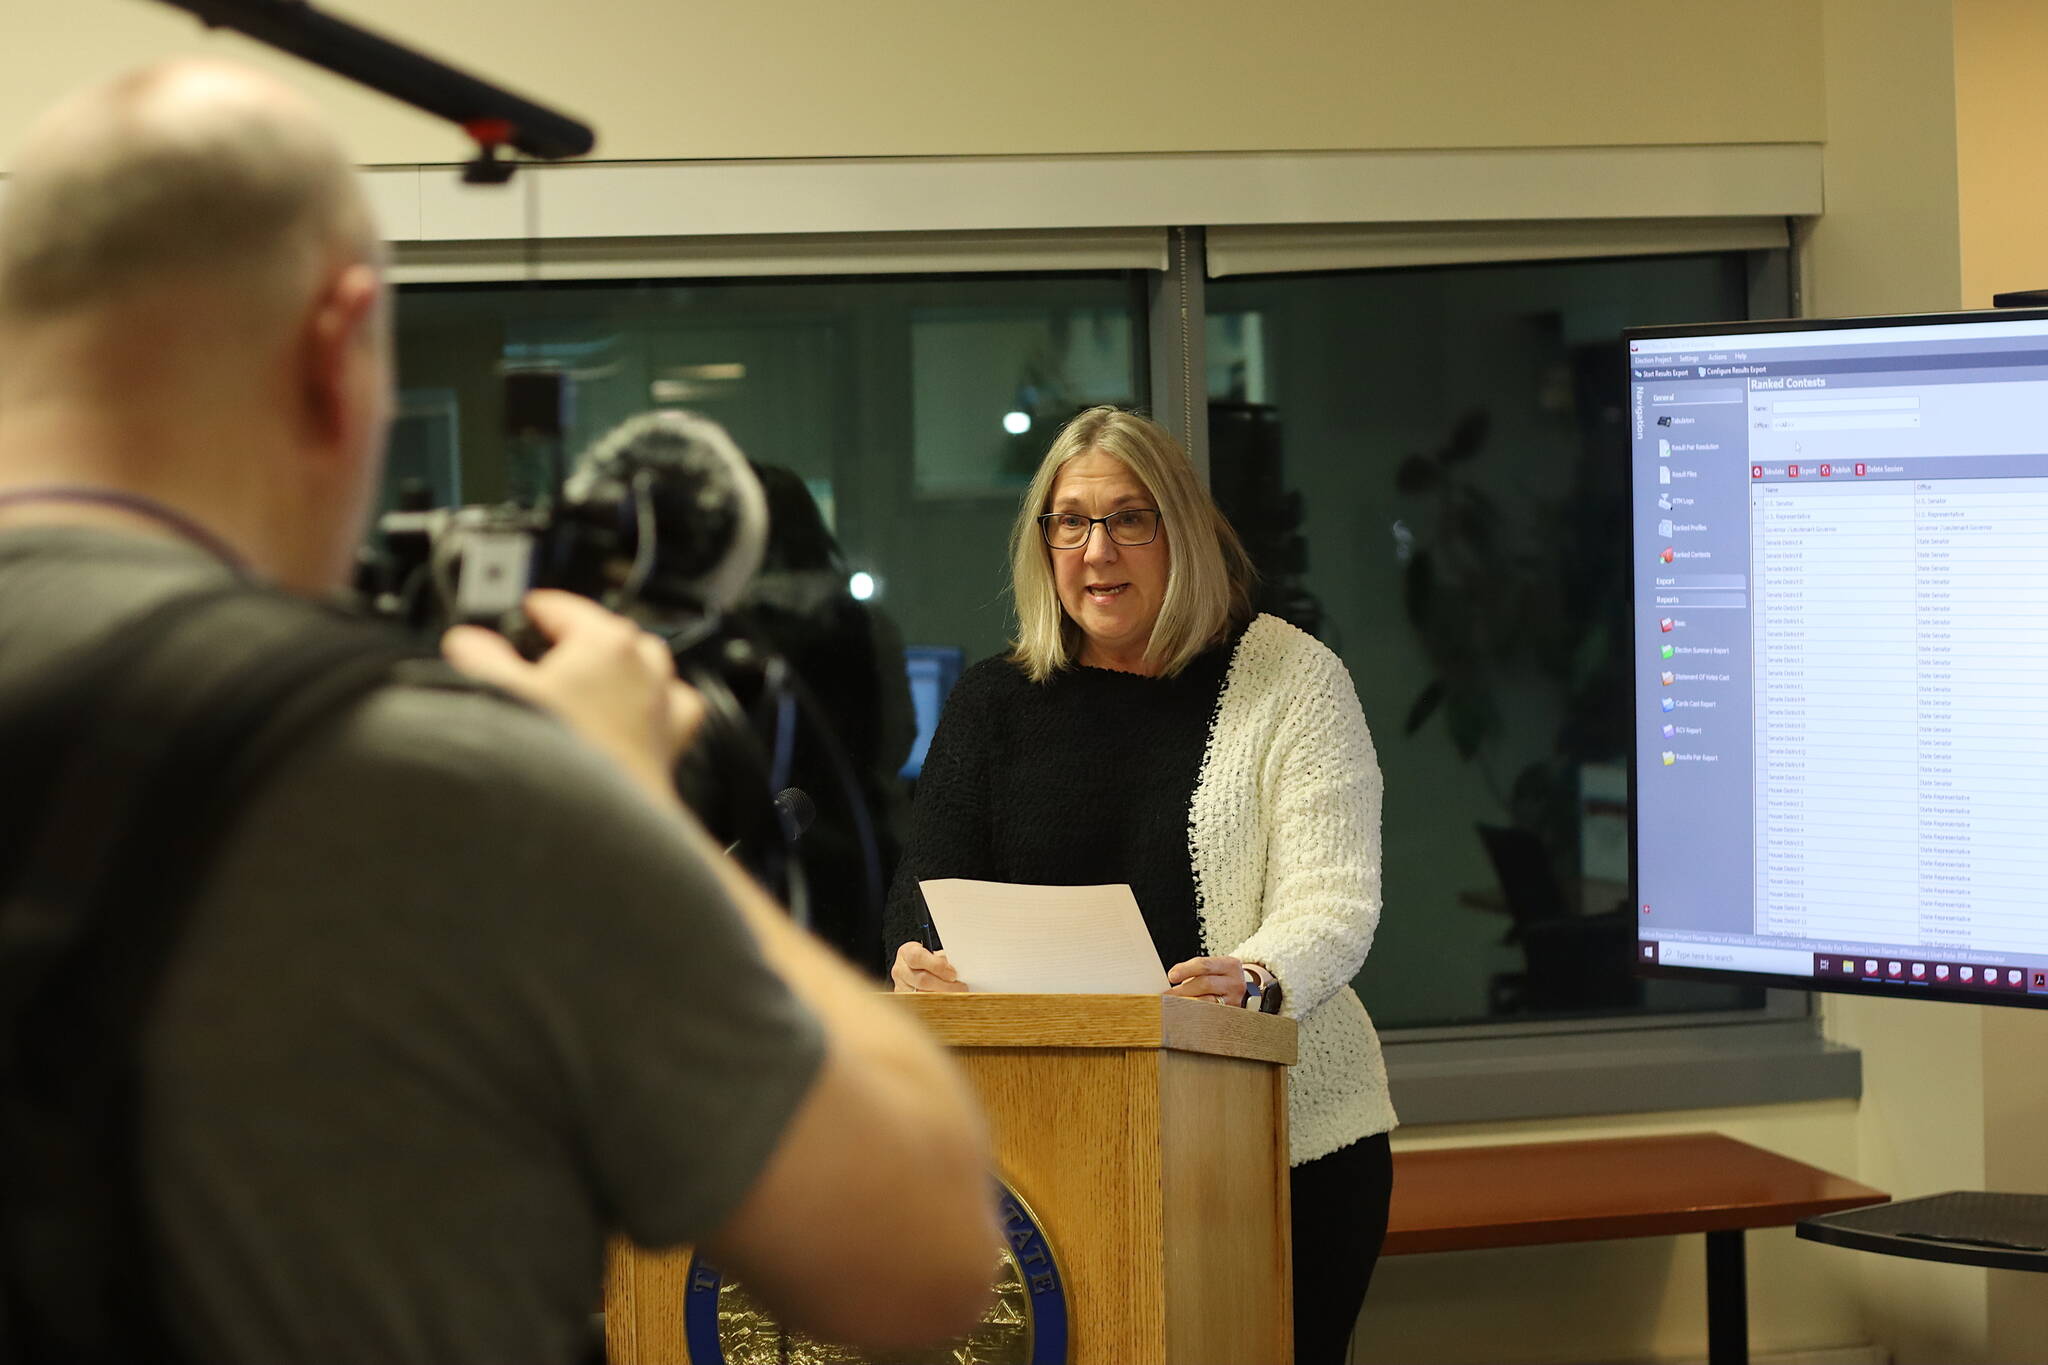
(1908, 972)
(1894, 970)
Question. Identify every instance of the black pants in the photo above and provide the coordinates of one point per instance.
(1340, 1219)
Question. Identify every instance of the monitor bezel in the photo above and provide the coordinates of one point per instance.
(2021, 998)
(1665, 331)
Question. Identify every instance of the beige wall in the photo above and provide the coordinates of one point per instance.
(811, 78)
(1929, 116)
(1887, 238)
(2001, 138)
(1919, 1130)
(2002, 213)
(2015, 1158)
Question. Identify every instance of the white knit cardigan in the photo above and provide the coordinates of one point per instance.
(1284, 836)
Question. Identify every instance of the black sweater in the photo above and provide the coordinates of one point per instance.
(1081, 780)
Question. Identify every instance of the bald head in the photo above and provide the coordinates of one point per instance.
(185, 172)
(191, 312)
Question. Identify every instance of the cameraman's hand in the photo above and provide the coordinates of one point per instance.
(608, 680)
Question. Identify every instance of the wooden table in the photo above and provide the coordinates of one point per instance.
(1534, 1194)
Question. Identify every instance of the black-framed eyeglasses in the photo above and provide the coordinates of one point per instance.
(1070, 530)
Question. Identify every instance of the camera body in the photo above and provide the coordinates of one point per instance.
(662, 520)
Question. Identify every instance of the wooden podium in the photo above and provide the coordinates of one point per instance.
(1148, 1135)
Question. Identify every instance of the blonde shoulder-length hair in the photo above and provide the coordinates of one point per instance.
(1208, 577)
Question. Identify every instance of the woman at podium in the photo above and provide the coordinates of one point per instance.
(1147, 727)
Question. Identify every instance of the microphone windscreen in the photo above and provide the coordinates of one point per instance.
(797, 811)
(709, 514)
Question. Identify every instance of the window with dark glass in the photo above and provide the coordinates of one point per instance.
(907, 412)
(1430, 468)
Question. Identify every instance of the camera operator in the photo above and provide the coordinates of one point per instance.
(850, 657)
(465, 990)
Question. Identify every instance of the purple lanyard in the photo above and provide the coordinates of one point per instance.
(169, 517)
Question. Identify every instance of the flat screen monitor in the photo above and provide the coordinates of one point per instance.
(1840, 653)
(932, 670)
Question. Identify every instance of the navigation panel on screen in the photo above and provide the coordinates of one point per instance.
(1840, 550)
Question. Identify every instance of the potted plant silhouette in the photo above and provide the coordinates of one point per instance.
(1515, 616)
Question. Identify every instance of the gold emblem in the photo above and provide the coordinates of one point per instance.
(747, 1335)
(1026, 1325)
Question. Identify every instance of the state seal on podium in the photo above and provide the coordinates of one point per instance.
(1027, 1324)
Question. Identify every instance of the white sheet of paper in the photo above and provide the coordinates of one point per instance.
(1053, 940)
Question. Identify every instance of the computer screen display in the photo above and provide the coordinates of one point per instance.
(1840, 601)
(932, 670)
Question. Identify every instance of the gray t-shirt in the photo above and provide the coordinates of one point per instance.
(455, 1004)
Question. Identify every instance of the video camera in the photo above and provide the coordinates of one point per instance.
(664, 521)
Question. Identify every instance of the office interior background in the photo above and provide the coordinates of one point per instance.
(1371, 259)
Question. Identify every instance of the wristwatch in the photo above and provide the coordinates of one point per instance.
(1261, 991)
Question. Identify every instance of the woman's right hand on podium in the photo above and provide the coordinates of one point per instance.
(918, 968)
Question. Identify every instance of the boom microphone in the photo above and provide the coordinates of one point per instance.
(488, 113)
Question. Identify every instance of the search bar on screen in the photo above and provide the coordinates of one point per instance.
(1736, 957)
(1902, 402)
